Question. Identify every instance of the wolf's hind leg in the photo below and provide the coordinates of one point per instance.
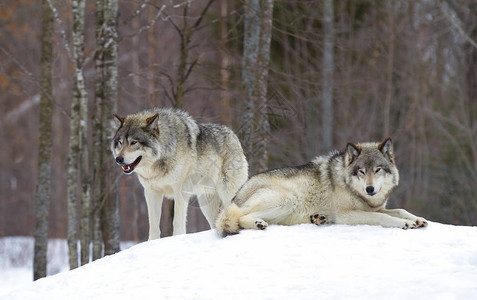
(251, 222)
(318, 219)
(210, 206)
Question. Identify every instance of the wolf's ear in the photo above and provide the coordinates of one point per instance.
(352, 151)
(386, 148)
(120, 119)
(151, 120)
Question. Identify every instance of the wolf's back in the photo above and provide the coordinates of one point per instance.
(228, 220)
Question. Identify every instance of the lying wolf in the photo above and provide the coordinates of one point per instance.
(349, 187)
(174, 156)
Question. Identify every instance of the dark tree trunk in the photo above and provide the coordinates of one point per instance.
(328, 70)
(255, 129)
(42, 198)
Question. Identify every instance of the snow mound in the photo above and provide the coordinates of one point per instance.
(295, 262)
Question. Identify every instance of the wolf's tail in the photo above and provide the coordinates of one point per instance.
(228, 220)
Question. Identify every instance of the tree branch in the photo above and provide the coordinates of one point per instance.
(147, 26)
(455, 23)
(202, 14)
(136, 12)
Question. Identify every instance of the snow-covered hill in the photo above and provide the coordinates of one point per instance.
(297, 262)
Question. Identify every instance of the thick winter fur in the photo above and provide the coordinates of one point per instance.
(175, 157)
(349, 187)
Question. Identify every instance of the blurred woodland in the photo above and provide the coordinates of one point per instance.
(358, 70)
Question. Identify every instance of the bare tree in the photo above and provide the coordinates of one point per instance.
(109, 49)
(255, 130)
(42, 198)
(328, 71)
(185, 66)
(224, 64)
(73, 151)
(389, 71)
(99, 184)
(105, 204)
(80, 96)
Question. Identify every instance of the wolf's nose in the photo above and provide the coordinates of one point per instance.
(369, 189)
(120, 160)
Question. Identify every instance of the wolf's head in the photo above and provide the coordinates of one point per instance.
(135, 141)
(371, 170)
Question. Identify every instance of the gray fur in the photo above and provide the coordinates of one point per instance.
(174, 156)
(349, 187)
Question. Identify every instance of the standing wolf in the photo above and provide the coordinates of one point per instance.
(174, 156)
(350, 187)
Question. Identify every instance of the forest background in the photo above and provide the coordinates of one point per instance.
(405, 69)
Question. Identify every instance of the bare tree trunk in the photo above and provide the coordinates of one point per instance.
(106, 202)
(110, 211)
(185, 67)
(42, 198)
(263, 126)
(151, 43)
(328, 70)
(72, 179)
(256, 57)
(80, 96)
(389, 72)
(98, 186)
(79, 92)
(224, 65)
(251, 43)
(185, 35)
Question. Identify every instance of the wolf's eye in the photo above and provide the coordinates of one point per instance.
(133, 143)
(377, 170)
(361, 172)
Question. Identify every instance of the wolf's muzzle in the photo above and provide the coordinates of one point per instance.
(127, 169)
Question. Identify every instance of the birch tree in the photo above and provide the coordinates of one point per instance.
(106, 203)
(42, 198)
(73, 153)
(256, 58)
(80, 96)
(78, 158)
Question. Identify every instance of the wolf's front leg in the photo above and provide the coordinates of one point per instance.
(154, 209)
(181, 202)
(404, 214)
(357, 217)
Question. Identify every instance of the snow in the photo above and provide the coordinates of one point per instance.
(16, 260)
(281, 262)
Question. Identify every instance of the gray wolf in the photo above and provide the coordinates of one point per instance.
(176, 157)
(348, 187)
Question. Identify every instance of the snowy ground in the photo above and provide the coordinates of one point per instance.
(297, 262)
(16, 260)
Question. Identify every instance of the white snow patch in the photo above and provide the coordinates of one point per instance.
(296, 262)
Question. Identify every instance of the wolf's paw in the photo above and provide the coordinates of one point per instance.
(318, 219)
(421, 222)
(409, 224)
(261, 225)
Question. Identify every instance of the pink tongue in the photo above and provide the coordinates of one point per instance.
(126, 167)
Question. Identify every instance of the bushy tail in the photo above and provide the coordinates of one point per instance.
(228, 220)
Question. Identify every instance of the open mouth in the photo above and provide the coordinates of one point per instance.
(127, 169)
